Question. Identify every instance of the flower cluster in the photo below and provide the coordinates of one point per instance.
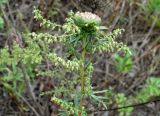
(88, 16)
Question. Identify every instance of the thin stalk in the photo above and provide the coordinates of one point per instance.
(82, 75)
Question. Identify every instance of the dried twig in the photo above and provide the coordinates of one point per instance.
(29, 105)
(118, 15)
(30, 88)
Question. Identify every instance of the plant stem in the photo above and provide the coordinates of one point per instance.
(82, 75)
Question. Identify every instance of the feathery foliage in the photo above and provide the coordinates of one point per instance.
(82, 38)
(81, 33)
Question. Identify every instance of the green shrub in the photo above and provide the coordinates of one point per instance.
(152, 8)
(1, 19)
(123, 101)
(149, 90)
(81, 35)
(123, 64)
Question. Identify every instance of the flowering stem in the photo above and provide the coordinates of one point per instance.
(82, 75)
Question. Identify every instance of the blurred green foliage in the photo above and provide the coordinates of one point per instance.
(152, 9)
(152, 6)
(123, 63)
(1, 23)
(151, 89)
(17, 67)
(11, 77)
(1, 18)
(3, 1)
(123, 101)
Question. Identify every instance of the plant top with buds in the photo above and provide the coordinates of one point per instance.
(83, 37)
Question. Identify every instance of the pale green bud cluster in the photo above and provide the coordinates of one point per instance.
(58, 61)
(49, 38)
(88, 89)
(70, 27)
(67, 106)
(107, 43)
(115, 33)
(44, 22)
(111, 46)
